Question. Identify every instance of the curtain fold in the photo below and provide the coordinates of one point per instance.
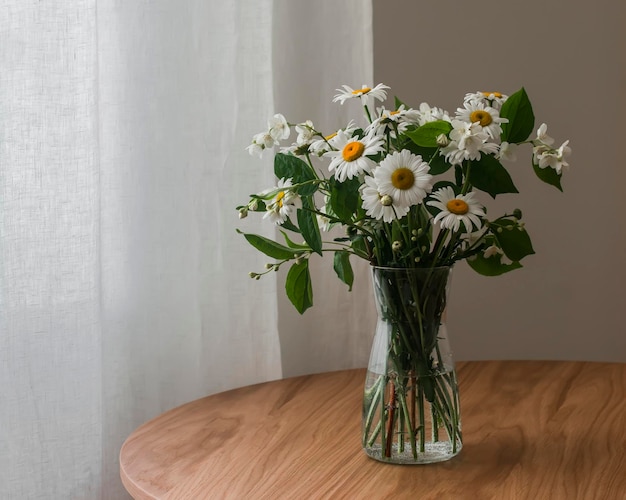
(311, 60)
(123, 284)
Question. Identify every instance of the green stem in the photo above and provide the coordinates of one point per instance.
(372, 408)
(422, 427)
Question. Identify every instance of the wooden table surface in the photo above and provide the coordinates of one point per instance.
(532, 429)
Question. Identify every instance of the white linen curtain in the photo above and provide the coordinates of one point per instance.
(123, 286)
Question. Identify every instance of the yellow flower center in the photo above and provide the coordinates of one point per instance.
(391, 113)
(279, 199)
(364, 90)
(329, 137)
(481, 117)
(402, 178)
(457, 207)
(495, 94)
(353, 151)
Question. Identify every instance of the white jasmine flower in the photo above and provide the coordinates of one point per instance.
(542, 135)
(486, 116)
(456, 210)
(507, 152)
(255, 150)
(365, 93)
(428, 114)
(326, 143)
(261, 142)
(491, 251)
(321, 146)
(282, 204)
(351, 158)
(379, 205)
(306, 132)
(469, 240)
(553, 158)
(278, 127)
(322, 221)
(467, 142)
(403, 176)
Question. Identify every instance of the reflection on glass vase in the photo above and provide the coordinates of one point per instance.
(411, 411)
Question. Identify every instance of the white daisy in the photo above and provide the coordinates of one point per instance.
(365, 93)
(282, 204)
(351, 158)
(404, 176)
(390, 120)
(486, 116)
(378, 205)
(456, 210)
(468, 141)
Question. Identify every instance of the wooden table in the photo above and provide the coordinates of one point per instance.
(532, 429)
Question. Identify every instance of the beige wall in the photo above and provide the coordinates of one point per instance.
(569, 300)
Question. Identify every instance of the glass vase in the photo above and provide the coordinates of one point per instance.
(411, 412)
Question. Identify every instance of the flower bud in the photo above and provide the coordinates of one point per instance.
(517, 213)
(442, 140)
(396, 246)
(243, 213)
(386, 200)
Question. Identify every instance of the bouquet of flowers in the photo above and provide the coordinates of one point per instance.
(406, 189)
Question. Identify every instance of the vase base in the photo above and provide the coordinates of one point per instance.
(433, 453)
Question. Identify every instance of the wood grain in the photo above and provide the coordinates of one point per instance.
(532, 429)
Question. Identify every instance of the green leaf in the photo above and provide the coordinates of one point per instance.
(269, 247)
(426, 135)
(549, 176)
(344, 198)
(298, 286)
(309, 227)
(290, 226)
(292, 167)
(512, 239)
(343, 268)
(491, 266)
(398, 102)
(359, 246)
(489, 175)
(293, 245)
(519, 111)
